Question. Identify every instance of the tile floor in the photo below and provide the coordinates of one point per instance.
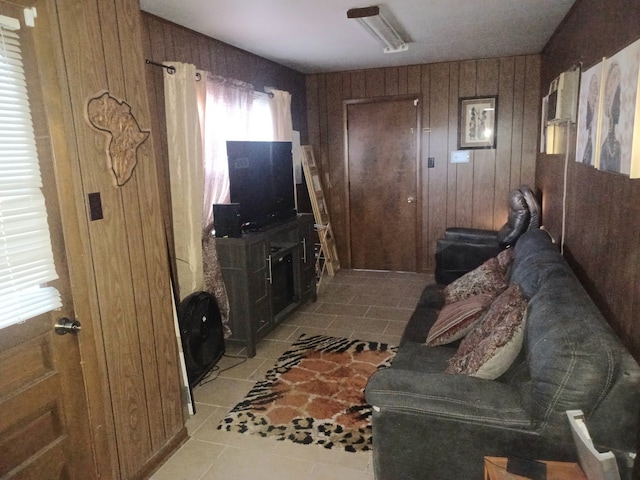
(354, 304)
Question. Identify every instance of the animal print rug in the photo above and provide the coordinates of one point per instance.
(314, 394)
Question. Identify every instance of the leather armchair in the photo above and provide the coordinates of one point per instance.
(461, 249)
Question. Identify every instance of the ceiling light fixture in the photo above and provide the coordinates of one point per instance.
(378, 26)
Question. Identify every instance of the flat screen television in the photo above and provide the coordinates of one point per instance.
(261, 181)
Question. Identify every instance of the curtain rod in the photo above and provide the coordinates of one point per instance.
(170, 68)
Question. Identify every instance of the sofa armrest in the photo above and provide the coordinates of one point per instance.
(460, 397)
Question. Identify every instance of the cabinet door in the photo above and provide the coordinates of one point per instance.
(258, 283)
(307, 238)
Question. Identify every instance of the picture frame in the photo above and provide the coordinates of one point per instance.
(477, 122)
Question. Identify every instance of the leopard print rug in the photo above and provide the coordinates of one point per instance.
(314, 394)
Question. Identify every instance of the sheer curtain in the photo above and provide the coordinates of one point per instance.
(234, 111)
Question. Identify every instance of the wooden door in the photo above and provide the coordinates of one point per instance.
(383, 193)
(44, 417)
(44, 423)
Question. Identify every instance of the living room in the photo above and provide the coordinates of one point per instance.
(603, 250)
(133, 408)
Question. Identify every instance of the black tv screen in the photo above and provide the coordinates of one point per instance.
(261, 181)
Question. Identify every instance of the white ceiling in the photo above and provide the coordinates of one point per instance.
(314, 36)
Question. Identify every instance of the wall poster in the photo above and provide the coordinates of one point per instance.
(610, 137)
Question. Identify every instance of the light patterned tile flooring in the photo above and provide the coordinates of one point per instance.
(354, 304)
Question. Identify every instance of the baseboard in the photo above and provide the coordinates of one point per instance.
(162, 455)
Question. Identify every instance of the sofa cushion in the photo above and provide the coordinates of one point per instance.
(424, 315)
(487, 278)
(490, 348)
(457, 319)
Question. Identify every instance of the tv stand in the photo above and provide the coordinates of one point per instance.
(268, 275)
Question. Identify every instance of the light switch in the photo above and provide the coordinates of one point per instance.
(95, 206)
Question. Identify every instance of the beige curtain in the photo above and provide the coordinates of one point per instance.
(280, 104)
(183, 94)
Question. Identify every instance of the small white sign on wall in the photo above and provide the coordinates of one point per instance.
(460, 156)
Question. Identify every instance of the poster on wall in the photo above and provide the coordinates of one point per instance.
(588, 115)
(619, 110)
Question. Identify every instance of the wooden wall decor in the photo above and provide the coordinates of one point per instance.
(113, 118)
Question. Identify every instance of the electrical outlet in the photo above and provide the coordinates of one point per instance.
(431, 162)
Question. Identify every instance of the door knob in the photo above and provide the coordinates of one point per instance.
(411, 199)
(66, 325)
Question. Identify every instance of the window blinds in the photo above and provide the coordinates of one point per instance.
(26, 259)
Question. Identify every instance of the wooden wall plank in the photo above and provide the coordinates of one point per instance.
(518, 121)
(439, 114)
(503, 148)
(336, 164)
(358, 82)
(414, 79)
(484, 165)
(452, 168)
(159, 351)
(403, 85)
(321, 153)
(374, 82)
(313, 108)
(531, 124)
(391, 81)
(464, 177)
(147, 376)
(423, 76)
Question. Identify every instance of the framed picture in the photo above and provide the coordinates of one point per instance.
(477, 122)
(589, 110)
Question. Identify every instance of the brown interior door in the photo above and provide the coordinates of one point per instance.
(44, 418)
(383, 194)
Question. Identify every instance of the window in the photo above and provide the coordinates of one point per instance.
(234, 111)
(26, 259)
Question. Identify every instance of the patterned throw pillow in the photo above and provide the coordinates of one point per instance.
(491, 347)
(505, 259)
(456, 319)
(487, 278)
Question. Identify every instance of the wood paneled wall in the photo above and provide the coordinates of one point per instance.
(602, 231)
(470, 195)
(123, 255)
(164, 41)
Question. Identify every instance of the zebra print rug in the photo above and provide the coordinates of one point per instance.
(314, 394)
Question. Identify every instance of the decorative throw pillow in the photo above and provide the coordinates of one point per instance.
(487, 278)
(491, 347)
(456, 319)
(505, 259)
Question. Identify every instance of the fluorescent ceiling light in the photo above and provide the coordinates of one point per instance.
(378, 26)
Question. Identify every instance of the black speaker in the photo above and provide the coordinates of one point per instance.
(201, 334)
(226, 219)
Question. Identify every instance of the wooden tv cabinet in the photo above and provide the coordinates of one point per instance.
(268, 275)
